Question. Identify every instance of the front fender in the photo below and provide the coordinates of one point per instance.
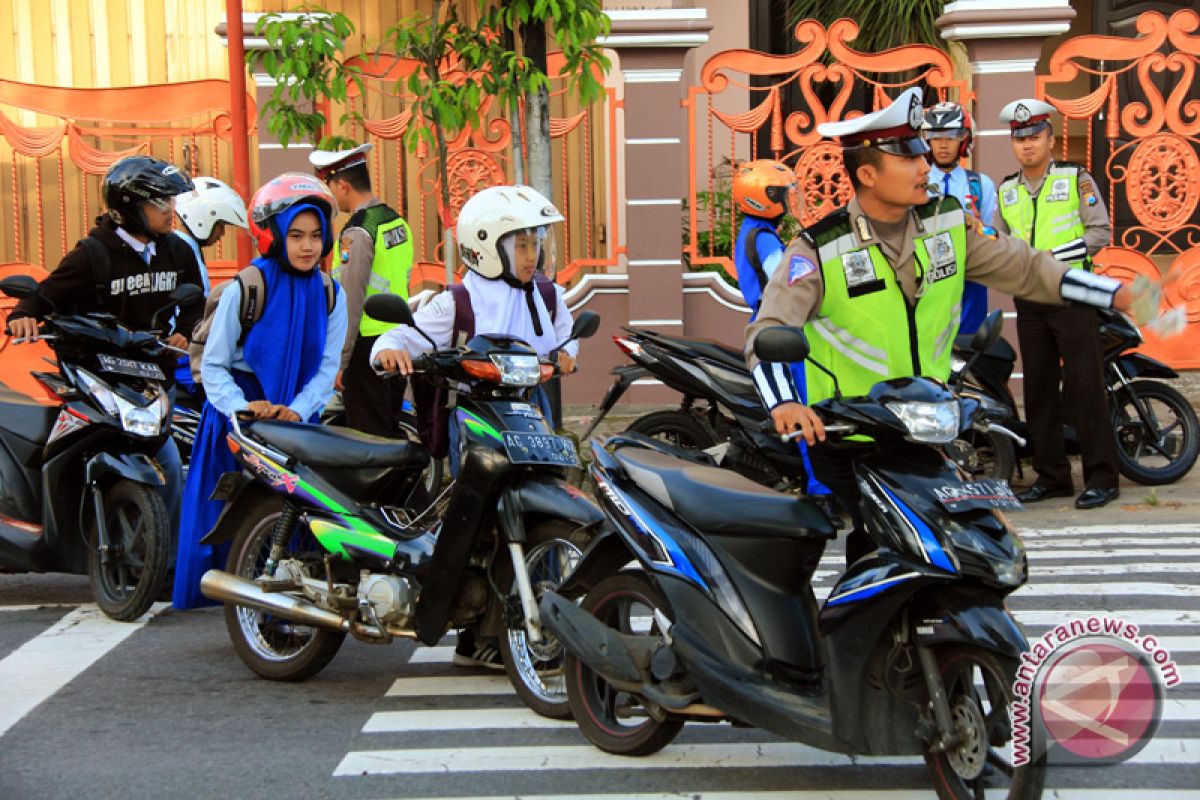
(943, 615)
(1136, 365)
(236, 489)
(544, 495)
(605, 556)
(136, 467)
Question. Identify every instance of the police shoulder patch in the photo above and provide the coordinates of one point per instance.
(799, 267)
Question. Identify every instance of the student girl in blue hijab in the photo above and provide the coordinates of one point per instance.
(283, 367)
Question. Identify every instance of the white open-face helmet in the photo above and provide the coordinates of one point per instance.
(487, 217)
(212, 201)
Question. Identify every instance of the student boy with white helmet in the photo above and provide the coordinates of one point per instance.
(509, 289)
(204, 212)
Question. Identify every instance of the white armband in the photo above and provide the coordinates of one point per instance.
(1088, 288)
(1074, 250)
(774, 383)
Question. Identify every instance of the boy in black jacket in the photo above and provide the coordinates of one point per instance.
(128, 265)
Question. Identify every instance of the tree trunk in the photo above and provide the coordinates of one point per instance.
(514, 117)
(537, 112)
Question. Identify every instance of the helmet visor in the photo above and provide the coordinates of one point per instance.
(528, 251)
(911, 146)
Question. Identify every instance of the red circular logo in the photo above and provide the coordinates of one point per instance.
(1100, 701)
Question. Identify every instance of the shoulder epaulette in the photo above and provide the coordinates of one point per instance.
(830, 226)
(1011, 177)
(938, 205)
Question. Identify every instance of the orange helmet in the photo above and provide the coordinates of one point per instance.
(278, 195)
(761, 187)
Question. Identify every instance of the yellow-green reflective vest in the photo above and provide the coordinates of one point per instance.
(1053, 217)
(391, 263)
(865, 330)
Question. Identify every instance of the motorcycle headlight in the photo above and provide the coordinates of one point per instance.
(929, 423)
(518, 370)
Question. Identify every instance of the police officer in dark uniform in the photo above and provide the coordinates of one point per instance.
(374, 253)
(1054, 206)
(878, 285)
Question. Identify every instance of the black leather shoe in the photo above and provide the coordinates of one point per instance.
(1039, 492)
(1094, 498)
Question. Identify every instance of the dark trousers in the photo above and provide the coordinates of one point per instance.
(373, 403)
(835, 469)
(1060, 346)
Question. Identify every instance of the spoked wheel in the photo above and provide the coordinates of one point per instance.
(130, 576)
(983, 454)
(1158, 436)
(978, 688)
(678, 428)
(615, 721)
(536, 669)
(276, 648)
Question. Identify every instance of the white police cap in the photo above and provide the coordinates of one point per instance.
(1026, 117)
(895, 129)
(330, 162)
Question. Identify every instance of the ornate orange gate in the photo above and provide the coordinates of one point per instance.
(829, 81)
(1143, 129)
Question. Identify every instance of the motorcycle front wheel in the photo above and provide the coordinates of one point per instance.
(1158, 436)
(272, 647)
(131, 575)
(984, 454)
(536, 669)
(615, 721)
(978, 686)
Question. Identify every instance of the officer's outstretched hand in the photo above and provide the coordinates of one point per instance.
(1139, 299)
(395, 361)
(790, 417)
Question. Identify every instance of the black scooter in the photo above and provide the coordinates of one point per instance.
(80, 483)
(1157, 433)
(327, 541)
(913, 652)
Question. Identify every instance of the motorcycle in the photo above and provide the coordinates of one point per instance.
(1156, 429)
(732, 425)
(324, 544)
(80, 483)
(912, 653)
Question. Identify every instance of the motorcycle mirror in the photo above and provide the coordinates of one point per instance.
(187, 295)
(19, 286)
(586, 325)
(388, 308)
(988, 332)
(782, 343)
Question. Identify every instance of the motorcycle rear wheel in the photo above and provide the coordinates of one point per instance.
(625, 601)
(276, 649)
(139, 538)
(1161, 456)
(536, 670)
(983, 757)
(679, 428)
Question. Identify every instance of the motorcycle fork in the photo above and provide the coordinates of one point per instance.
(102, 540)
(512, 526)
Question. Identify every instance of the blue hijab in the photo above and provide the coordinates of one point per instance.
(285, 346)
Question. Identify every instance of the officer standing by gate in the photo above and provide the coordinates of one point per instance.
(374, 253)
(1054, 206)
(878, 285)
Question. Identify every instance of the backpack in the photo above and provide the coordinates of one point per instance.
(431, 397)
(254, 300)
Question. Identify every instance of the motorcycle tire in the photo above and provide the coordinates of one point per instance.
(1175, 444)
(978, 685)
(276, 649)
(139, 538)
(679, 428)
(990, 455)
(553, 548)
(626, 602)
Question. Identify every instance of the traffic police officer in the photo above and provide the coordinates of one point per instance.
(374, 253)
(1054, 206)
(878, 284)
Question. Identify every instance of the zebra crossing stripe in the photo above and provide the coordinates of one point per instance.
(442, 654)
(840, 794)
(1103, 530)
(450, 685)
(460, 720)
(691, 756)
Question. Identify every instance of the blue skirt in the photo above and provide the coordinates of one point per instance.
(210, 460)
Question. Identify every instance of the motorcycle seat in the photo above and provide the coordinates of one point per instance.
(720, 501)
(708, 348)
(329, 446)
(24, 417)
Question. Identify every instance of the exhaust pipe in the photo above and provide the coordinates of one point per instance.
(220, 585)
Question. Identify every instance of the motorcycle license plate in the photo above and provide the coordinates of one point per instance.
(975, 495)
(127, 366)
(540, 448)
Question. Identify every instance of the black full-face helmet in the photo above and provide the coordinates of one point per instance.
(136, 180)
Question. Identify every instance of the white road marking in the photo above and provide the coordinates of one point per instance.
(450, 685)
(828, 794)
(48, 662)
(441, 654)
(464, 719)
